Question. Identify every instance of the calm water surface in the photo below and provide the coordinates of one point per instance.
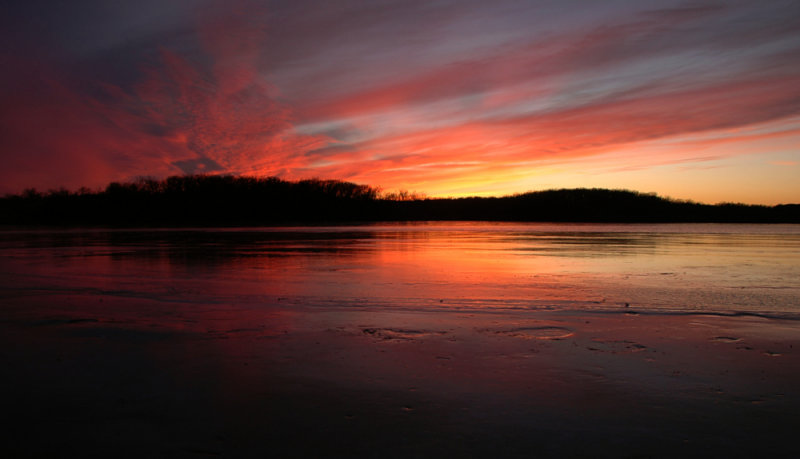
(676, 268)
(414, 340)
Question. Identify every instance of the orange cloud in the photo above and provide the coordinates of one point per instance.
(405, 95)
(509, 147)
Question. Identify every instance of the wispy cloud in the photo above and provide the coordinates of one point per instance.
(412, 94)
(208, 110)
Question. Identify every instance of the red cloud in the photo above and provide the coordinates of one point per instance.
(496, 148)
(205, 112)
(201, 103)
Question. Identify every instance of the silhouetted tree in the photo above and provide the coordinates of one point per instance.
(227, 200)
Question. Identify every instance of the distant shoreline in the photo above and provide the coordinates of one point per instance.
(203, 201)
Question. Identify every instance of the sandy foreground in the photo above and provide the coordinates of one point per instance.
(127, 377)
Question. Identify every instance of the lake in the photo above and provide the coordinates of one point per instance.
(463, 338)
(431, 266)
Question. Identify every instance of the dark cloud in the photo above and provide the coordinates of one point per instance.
(371, 90)
(198, 166)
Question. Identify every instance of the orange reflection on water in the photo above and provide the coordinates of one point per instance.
(312, 340)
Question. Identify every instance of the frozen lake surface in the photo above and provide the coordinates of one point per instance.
(430, 266)
(402, 340)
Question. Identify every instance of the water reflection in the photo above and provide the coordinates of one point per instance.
(713, 268)
(301, 340)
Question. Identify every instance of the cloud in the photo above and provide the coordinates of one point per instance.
(652, 76)
(682, 44)
(205, 110)
(56, 136)
(200, 165)
(400, 94)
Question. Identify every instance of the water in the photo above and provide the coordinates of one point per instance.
(402, 340)
(672, 268)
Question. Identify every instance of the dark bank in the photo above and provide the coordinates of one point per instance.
(220, 200)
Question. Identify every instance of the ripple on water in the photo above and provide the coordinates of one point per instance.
(542, 332)
(400, 334)
(726, 339)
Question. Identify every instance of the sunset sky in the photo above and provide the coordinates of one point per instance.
(692, 100)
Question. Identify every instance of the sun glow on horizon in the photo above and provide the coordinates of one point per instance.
(452, 99)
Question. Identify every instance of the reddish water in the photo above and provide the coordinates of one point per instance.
(457, 340)
(471, 266)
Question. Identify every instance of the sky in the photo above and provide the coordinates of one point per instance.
(690, 100)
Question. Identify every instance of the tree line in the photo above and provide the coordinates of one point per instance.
(221, 200)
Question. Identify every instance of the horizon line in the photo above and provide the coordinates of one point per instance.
(383, 193)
